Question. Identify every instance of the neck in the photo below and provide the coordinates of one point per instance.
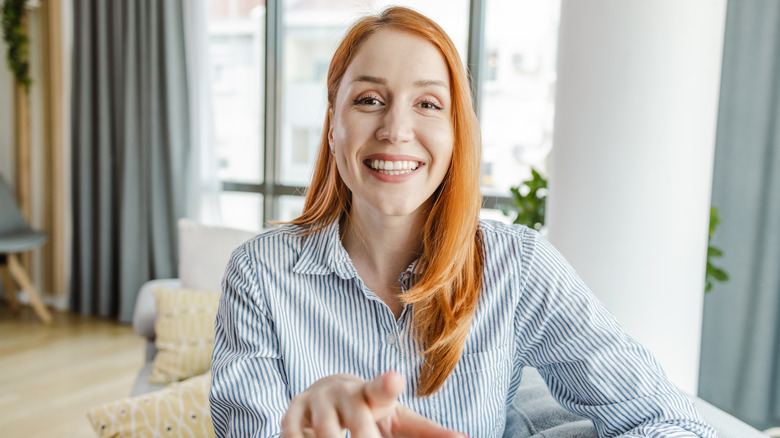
(381, 248)
(385, 245)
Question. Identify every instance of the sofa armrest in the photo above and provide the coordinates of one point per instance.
(726, 425)
(535, 414)
(145, 308)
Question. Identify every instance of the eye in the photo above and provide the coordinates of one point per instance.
(428, 104)
(367, 100)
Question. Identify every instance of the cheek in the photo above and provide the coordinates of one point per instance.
(443, 149)
(445, 155)
(346, 130)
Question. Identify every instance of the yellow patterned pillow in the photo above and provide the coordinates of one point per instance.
(181, 409)
(184, 331)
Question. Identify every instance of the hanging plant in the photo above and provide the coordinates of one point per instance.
(15, 35)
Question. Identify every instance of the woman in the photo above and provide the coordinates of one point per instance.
(388, 308)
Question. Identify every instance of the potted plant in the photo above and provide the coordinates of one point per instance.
(530, 199)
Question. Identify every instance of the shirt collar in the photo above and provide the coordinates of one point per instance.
(322, 254)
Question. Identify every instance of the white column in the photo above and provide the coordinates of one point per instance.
(631, 166)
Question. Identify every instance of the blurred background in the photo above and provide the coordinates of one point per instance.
(641, 115)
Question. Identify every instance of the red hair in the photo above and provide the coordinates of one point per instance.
(449, 270)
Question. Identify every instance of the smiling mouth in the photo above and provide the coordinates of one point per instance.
(392, 167)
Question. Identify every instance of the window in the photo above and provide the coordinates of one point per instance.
(517, 96)
(237, 59)
(268, 141)
(311, 31)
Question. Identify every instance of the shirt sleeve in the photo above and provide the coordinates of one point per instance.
(592, 367)
(249, 393)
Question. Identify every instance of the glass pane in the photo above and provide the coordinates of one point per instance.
(517, 91)
(237, 55)
(290, 207)
(311, 32)
(497, 215)
(242, 210)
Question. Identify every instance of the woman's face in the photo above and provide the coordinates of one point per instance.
(391, 125)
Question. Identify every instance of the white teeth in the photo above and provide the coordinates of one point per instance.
(392, 167)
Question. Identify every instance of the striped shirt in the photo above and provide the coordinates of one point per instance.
(294, 310)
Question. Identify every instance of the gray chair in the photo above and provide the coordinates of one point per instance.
(16, 236)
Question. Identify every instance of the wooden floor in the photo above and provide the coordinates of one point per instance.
(51, 375)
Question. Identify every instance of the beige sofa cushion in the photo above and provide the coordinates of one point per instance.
(185, 333)
(204, 252)
(180, 409)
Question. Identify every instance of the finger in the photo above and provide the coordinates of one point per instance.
(359, 420)
(324, 419)
(411, 424)
(292, 422)
(384, 390)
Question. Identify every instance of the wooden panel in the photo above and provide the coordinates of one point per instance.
(22, 140)
(53, 276)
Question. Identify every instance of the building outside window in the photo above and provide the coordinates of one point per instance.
(515, 93)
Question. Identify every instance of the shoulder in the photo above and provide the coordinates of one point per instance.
(501, 237)
(270, 254)
(273, 246)
(515, 247)
(283, 236)
(494, 227)
(506, 248)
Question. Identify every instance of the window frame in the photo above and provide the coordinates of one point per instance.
(270, 187)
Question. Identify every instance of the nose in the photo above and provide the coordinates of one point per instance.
(396, 126)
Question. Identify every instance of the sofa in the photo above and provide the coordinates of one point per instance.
(204, 252)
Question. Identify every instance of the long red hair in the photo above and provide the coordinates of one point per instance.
(449, 270)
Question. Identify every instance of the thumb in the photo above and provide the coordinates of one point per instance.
(411, 424)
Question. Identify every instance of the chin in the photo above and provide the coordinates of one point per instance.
(405, 210)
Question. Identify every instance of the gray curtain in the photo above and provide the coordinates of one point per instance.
(130, 137)
(740, 360)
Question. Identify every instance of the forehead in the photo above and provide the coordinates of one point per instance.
(398, 55)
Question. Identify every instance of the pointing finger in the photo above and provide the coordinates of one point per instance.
(384, 390)
(293, 420)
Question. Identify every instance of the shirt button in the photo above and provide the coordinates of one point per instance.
(390, 339)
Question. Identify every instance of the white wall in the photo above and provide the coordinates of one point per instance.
(631, 166)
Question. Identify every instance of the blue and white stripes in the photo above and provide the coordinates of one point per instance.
(294, 310)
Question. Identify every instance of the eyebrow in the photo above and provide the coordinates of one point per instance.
(420, 83)
(432, 82)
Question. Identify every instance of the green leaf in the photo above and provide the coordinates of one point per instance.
(16, 37)
(530, 201)
(719, 274)
(714, 220)
(713, 273)
(714, 252)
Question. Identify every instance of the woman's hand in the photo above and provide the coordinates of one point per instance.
(368, 409)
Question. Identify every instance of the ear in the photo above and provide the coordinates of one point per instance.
(330, 127)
